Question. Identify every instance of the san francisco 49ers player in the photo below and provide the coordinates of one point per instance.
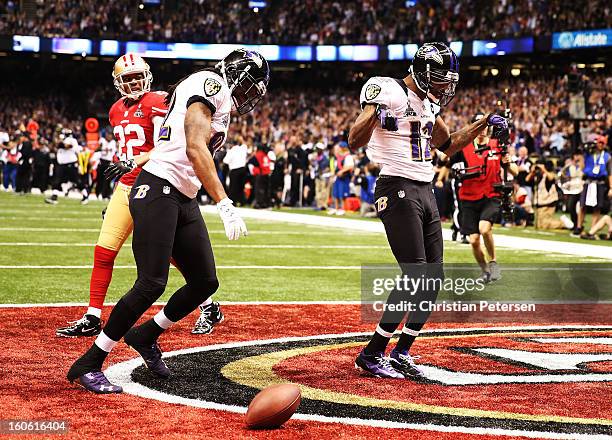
(135, 118)
(401, 124)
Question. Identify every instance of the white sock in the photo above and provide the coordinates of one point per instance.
(93, 311)
(162, 320)
(382, 332)
(410, 331)
(105, 343)
(207, 302)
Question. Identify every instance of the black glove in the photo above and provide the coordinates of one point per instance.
(386, 118)
(104, 212)
(118, 169)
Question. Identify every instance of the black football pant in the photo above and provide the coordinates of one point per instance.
(166, 224)
(410, 215)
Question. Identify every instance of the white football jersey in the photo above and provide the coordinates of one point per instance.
(169, 158)
(407, 151)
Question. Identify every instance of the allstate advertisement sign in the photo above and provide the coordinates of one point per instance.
(582, 39)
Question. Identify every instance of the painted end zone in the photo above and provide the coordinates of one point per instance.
(35, 363)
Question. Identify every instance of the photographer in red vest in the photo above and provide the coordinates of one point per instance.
(480, 203)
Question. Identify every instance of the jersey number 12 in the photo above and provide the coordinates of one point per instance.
(420, 141)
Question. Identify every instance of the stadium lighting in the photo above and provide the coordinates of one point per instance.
(494, 72)
(141, 6)
(515, 72)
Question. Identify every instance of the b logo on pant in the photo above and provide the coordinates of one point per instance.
(142, 191)
(381, 203)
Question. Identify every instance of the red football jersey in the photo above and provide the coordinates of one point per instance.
(133, 127)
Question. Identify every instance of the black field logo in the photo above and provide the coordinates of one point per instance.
(492, 367)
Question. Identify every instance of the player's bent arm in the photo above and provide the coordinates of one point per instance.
(362, 129)
(451, 143)
(197, 136)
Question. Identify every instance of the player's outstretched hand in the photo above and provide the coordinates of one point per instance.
(234, 225)
(118, 169)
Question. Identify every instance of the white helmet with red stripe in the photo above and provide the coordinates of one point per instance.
(132, 76)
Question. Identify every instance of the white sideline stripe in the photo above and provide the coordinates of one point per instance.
(218, 267)
(210, 231)
(519, 243)
(121, 374)
(224, 246)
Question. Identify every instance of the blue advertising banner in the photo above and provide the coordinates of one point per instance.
(582, 39)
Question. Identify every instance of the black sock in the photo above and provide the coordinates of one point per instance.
(404, 343)
(377, 344)
(147, 333)
(92, 360)
(121, 319)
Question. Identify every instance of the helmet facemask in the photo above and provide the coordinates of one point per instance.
(133, 88)
(245, 89)
(438, 85)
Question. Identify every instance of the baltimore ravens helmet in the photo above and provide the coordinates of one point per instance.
(247, 74)
(435, 70)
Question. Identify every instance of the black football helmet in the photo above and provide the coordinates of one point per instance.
(247, 74)
(435, 70)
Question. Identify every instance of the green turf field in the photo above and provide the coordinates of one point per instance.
(35, 234)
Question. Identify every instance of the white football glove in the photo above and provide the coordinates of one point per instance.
(234, 225)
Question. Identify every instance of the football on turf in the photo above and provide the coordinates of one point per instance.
(273, 406)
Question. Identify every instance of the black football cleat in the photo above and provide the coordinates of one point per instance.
(88, 325)
(210, 316)
(151, 354)
(404, 363)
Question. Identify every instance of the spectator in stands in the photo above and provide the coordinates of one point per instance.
(10, 158)
(24, 169)
(41, 164)
(108, 149)
(366, 180)
(322, 176)
(298, 164)
(572, 184)
(236, 159)
(343, 168)
(262, 172)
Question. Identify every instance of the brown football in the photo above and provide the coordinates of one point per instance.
(273, 406)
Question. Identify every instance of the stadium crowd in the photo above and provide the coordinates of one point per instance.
(303, 22)
(289, 151)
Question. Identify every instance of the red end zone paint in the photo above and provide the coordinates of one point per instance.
(34, 363)
(574, 399)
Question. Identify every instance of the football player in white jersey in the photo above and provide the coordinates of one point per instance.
(167, 219)
(401, 125)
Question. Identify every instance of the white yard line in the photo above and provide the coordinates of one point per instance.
(218, 267)
(216, 246)
(506, 241)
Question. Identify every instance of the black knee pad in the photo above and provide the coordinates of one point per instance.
(144, 293)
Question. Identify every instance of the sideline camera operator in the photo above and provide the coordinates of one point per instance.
(480, 196)
(546, 196)
(598, 181)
